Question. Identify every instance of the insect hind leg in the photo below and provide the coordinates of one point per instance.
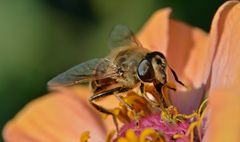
(95, 97)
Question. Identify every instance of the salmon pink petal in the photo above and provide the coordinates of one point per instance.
(187, 54)
(224, 123)
(57, 117)
(109, 102)
(224, 95)
(154, 35)
(186, 49)
(225, 37)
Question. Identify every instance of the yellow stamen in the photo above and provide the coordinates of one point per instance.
(136, 102)
(110, 136)
(183, 116)
(201, 106)
(85, 136)
(178, 136)
(131, 136)
(131, 107)
(191, 127)
(198, 122)
(151, 134)
(123, 140)
(201, 118)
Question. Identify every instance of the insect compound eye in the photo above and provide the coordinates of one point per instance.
(145, 71)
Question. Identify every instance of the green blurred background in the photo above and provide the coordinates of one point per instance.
(41, 38)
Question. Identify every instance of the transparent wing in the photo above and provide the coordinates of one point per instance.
(84, 72)
(121, 36)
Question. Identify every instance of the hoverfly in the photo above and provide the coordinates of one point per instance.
(127, 66)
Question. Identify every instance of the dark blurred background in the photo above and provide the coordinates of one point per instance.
(41, 38)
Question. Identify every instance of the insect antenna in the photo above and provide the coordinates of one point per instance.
(176, 77)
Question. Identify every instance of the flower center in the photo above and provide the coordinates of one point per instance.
(144, 119)
(148, 120)
(166, 125)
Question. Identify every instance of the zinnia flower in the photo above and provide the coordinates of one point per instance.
(207, 62)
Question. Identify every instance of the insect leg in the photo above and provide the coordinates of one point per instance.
(159, 86)
(105, 110)
(142, 88)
